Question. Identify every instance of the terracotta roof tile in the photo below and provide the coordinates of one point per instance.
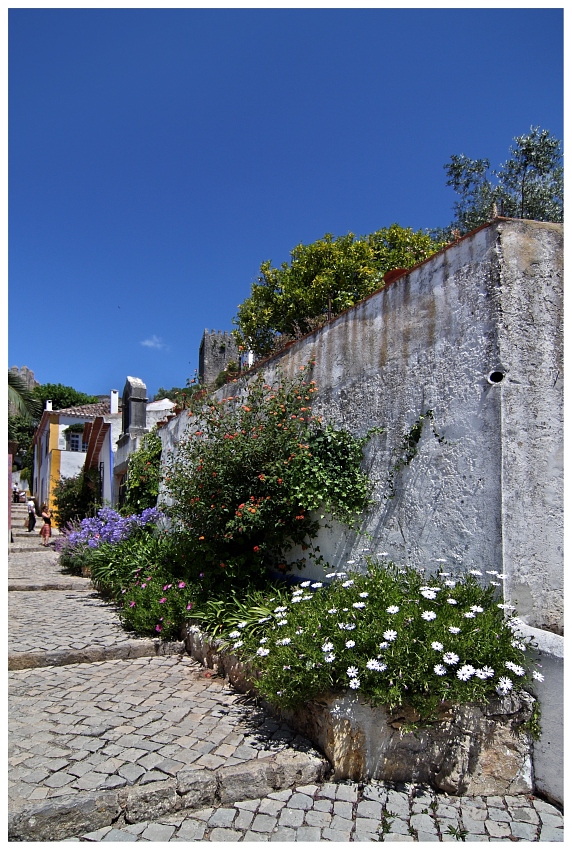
(100, 408)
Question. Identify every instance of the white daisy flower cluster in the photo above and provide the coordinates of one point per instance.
(354, 682)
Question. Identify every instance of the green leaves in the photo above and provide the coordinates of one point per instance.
(144, 474)
(249, 472)
(324, 279)
(529, 184)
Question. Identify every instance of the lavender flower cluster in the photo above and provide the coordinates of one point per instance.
(110, 527)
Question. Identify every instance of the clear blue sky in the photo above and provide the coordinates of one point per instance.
(157, 157)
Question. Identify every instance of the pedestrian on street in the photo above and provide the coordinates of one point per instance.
(46, 531)
(15, 492)
(31, 514)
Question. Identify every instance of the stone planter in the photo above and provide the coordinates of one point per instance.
(470, 750)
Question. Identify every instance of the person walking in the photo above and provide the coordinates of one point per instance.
(46, 531)
(31, 514)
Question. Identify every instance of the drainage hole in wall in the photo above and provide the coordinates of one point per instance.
(495, 377)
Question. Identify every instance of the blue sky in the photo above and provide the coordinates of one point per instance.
(157, 157)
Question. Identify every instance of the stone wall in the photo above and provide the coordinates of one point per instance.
(216, 350)
(474, 334)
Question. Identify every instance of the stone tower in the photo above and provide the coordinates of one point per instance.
(216, 350)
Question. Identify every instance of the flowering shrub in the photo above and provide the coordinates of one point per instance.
(250, 470)
(393, 635)
(156, 603)
(144, 474)
(108, 526)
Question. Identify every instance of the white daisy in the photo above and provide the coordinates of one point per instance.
(393, 609)
(505, 606)
(504, 686)
(364, 595)
(350, 562)
(329, 658)
(327, 646)
(538, 676)
(477, 609)
(451, 583)
(452, 601)
(358, 605)
(296, 599)
(350, 644)
(429, 594)
(516, 668)
(390, 634)
(454, 630)
(352, 672)
(354, 684)
(496, 583)
(475, 572)
(299, 631)
(304, 598)
(282, 623)
(283, 642)
(374, 664)
(330, 575)
(347, 583)
(237, 644)
(502, 575)
(333, 611)
(437, 646)
(440, 670)
(469, 615)
(234, 634)
(242, 625)
(263, 640)
(484, 673)
(450, 658)
(429, 615)
(383, 645)
(465, 673)
(317, 584)
(264, 619)
(350, 627)
(262, 651)
(280, 609)
(305, 583)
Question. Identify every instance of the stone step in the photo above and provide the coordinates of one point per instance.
(192, 788)
(136, 648)
(71, 583)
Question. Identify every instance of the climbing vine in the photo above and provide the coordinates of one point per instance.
(410, 446)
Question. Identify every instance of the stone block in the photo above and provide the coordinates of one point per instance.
(291, 817)
(54, 820)
(241, 781)
(197, 787)
(308, 833)
(150, 802)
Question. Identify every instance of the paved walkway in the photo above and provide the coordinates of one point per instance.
(112, 741)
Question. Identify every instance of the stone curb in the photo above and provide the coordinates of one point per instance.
(69, 584)
(192, 788)
(61, 657)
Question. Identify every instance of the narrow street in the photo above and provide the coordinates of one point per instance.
(118, 738)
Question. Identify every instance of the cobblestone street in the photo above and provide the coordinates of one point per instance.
(117, 738)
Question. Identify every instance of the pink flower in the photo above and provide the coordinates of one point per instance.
(167, 586)
(164, 599)
(132, 604)
(158, 628)
(143, 585)
(181, 584)
(189, 606)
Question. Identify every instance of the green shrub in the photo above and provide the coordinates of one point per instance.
(249, 472)
(393, 635)
(77, 497)
(144, 474)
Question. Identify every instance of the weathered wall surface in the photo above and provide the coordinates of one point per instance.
(531, 353)
(488, 495)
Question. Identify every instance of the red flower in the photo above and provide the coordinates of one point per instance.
(257, 548)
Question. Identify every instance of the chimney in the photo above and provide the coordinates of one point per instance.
(48, 404)
(114, 402)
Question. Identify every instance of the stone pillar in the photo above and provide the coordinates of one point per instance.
(134, 410)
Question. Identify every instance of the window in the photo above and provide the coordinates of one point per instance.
(74, 443)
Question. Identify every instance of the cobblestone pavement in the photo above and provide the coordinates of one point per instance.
(158, 749)
(112, 724)
(344, 812)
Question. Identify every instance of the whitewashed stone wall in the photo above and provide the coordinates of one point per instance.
(488, 496)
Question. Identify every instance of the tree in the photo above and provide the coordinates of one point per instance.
(24, 401)
(62, 396)
(144, 474)
(528, 185)
(322, 280)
